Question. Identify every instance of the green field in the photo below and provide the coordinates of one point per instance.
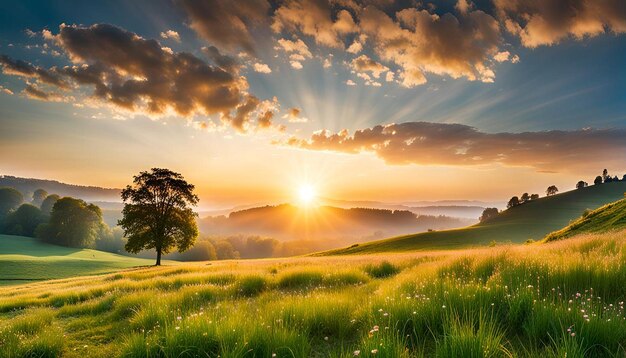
(607, 218)
(559, 299)
(532, 220)
(26, 259)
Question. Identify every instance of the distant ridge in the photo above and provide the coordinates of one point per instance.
(89, 193)
(529, 221)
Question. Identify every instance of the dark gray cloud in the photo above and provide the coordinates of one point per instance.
(457, 144)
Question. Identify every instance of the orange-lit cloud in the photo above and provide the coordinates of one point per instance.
(461, 145)
(542, 22)
(140, 76)
(225, 23)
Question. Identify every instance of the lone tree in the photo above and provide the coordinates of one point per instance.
(605, 174)
(597, 180)
(552, 189)
(488, 213)
(157, 213)
(534, 196)
(525, 197)
(581, 184)
(513, 202)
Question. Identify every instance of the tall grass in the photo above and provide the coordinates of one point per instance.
(543, 300)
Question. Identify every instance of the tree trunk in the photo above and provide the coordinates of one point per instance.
(158, 261)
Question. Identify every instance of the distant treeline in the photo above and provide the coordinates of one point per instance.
(27, 186)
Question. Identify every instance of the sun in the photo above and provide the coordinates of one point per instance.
(306, 194)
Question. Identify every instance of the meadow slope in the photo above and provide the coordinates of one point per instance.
(27, 259)
(541, 300)
(610, 217)
(529, 221)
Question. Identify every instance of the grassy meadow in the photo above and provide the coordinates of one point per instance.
(26, 259)
(559, 299)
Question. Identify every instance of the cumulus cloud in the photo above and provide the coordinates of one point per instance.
(262, 68)
(420, 42)
(170, 34)
(138, 75)
(227, 24)
(297, 47)
(32, 91)
(6, 90)
(366, 64)
(541, 22)
(457, 144)
(350, 83)
(27, 70)
(315, 18)
(293, 116)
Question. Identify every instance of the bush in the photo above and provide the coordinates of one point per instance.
(382, 270)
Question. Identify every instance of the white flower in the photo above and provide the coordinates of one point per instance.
(374, 351)
(356, 353)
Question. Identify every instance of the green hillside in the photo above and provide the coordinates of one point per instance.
(532, 220)
(25, 259)
(606, 218)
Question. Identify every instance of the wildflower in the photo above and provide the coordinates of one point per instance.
(326, 338)
(374, 351)
(356, 353)
(273, 354)
(177, 328)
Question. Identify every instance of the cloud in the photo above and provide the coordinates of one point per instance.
(297, 47)
(420, 42)
(32, 91)
(461, 145)
(26, 70)
(227, 24)
(170, 34)
(315, 18)
(262, 68)
(350, 83)
(293, 116)
(138, 75)
(366, 64)
(296, 65)
(6, 90)
(540, 22)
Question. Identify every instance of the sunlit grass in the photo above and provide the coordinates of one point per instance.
(546, 300)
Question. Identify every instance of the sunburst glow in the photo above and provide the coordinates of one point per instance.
(306, 194)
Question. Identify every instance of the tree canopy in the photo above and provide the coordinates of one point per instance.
(488, 213)
(23, 221)
(10, 199)
(38, 197)
(552, 190)
(157, 213)
(48, 203)
(73, 223)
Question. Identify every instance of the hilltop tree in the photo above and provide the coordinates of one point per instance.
(624, 177)
(48, 203)
(488, 213)
(39, 196)
(581, 184)
(73, 223)
(605, 174)
(597, 180)
(608, 179)
(514, 201)
(10, 199)
(157, 213)
(23, 221)
(525, 197)
(534, 197)
(552, 190)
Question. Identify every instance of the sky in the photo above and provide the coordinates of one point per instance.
(393, 101)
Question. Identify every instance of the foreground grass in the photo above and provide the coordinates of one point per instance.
(542, 300)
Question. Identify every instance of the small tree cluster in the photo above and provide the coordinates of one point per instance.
(488, 213)
(515, 201)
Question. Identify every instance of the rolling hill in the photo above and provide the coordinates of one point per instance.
(25, 259)
(532, 220)
(606, 218)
